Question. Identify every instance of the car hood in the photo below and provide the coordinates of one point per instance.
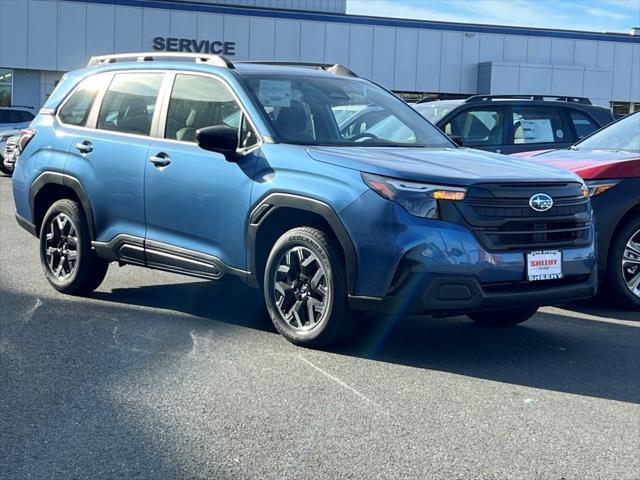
(454, 166)
(593, 164)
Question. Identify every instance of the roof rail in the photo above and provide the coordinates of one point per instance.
(488, 98)
(217, 60)
(334, 68)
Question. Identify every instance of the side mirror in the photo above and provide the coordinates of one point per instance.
(219, 138)
(457, 139)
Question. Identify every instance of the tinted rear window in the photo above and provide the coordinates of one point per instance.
(15, 116)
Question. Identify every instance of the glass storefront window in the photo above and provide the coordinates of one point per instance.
(6, 86)
(620, 109)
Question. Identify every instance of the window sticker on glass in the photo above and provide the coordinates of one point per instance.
(537, 131)
(275, 93)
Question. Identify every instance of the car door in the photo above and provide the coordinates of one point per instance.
(110, 157)
(536, 127)
(196, 200)
(481, 127)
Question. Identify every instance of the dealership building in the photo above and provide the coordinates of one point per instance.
(42, 39)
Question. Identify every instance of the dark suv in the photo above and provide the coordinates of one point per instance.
(512, 124)
(210, 169)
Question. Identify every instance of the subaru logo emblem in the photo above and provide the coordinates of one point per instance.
(541, 202)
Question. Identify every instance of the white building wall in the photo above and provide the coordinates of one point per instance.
(60, 35)
(334, 6)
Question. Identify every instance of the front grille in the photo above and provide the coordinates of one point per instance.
(501, 218)
(519, 212)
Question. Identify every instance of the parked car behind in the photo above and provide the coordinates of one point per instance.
(510, 124)
(5, 136)
(210, 168)
(609, 162)
(9, 154)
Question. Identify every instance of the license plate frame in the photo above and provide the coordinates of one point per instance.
(544, 265)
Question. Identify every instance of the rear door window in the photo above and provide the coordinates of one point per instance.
(129, 103)
(538, 125)
(477, 127)
(582, 124)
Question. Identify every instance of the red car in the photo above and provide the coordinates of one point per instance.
(609, 163)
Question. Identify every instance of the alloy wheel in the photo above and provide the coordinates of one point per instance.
(631, 264)
(300, 288)
(61, 247)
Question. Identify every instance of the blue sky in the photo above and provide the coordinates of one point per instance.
(590, 15)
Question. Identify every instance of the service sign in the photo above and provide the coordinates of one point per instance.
(190, 45)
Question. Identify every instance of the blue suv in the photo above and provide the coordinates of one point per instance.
(195, 165)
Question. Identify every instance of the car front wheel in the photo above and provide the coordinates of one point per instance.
(305, 288)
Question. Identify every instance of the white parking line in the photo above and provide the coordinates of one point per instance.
(589, 316)
(340, 382)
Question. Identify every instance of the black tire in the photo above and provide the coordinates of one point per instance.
(87, 271)
(615, 281)
(503, 318)
(330, 325)
(4, 169)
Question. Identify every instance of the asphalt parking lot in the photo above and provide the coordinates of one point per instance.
(162, 376)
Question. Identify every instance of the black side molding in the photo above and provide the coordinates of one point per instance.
(272, 202)
(27, 225)
(68, 181)
(162, 256)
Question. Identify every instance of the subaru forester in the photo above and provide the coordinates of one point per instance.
(193, 164)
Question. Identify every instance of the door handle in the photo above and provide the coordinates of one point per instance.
(84, 147)
(160, 160)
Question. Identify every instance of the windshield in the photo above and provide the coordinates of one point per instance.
(341, 112)
(433, 111)
(622, 135)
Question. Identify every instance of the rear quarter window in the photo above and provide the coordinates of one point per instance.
(75, 110)
(583, 124)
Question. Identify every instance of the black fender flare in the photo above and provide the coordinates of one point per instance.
(47, 178)
(269, 204)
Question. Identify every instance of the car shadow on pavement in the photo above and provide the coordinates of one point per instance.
(551, 351)
(230, 301)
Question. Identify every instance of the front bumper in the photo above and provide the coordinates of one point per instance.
(458, 294)
(413, 265)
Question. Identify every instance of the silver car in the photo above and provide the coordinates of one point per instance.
(8, 152)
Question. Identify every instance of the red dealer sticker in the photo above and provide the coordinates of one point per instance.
(544, 265)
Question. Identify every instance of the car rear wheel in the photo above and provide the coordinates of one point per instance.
(623, 270)
(305, 288)
(503, 318)
(65, 250)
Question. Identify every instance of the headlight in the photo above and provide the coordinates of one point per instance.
(596, 187)
(419, 199)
